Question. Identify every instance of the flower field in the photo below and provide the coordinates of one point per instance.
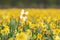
(29, 24)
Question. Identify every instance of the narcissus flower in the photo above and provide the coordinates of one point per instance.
(57, 38)
(39, 36)
(23, 15)
(56, 31)
(11, 38)
(21, 36)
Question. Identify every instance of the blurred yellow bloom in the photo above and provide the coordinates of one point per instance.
(34, 36)
(21, 36)
(28, 31)
(39, 36)
(5, 26)
(56, 31)
(5, 31)
(49, 19)
(20, 28)
(5, 17)
(31, 25)
(2, 32)
(52, 25)
(54, 19)
(37, 25)
(57, 38)
(10, 39)
(43, 25)
(17, 18)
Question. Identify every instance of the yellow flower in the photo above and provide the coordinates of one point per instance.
(28, 31)
(36, 20)
(45, 18)
(2, 32)
(34, 36)
(37, 25)
(17, 18)
(52, 25)
(20, 28)
(31, 25)
(10, 39)
(48, 19)
(56, 31)
(39, 36)
(55, 19)
(21, 36)
(5, 31)
(34, 29)
(57, 38)
(8, 19)
(5, 16)
(5, 26)
(43, 25)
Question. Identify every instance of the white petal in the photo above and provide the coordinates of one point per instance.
(24, 18)
(21, 17)
(26, 13)
(22, 11)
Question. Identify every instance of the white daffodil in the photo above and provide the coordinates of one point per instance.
(23, 15)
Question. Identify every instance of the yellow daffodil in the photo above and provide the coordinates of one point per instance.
(43, 25)
(37, 25)
(48, 19)
(21, 36)
(57, 38)
(31, 25)
(10, 39)
(34, 36)
(5, 31)
(20, 28)
(28, 31)
(56, 31)
(39, 36)
(52, 25)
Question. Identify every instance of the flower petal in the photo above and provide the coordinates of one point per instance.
(21, 17)
(26, 13)
(22, 11)
(24, 18)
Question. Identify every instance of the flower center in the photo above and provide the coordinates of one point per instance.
(24, 15)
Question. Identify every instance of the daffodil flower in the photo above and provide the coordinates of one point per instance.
(57, 38)
(23, 15)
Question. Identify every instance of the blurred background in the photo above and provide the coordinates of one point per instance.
(30, 3)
